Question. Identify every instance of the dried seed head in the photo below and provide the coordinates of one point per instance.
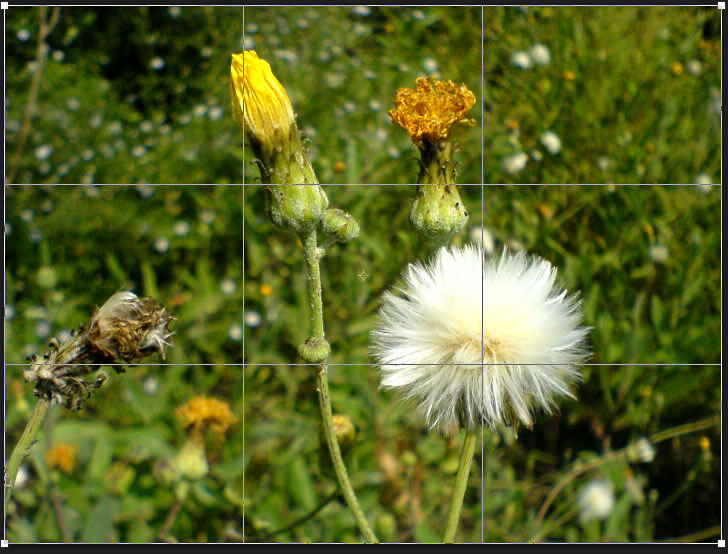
(126, 328)
(129, 328)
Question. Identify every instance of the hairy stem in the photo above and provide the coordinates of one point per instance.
(461, 481)
(22, 449)
(311, 257)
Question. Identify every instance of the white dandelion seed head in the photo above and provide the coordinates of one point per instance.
(515, 163)
(642, 450)
(540, 54)
(479, 341)
(596, 500)
(521, 60)
(658, 253)
(551, 142)
(703, 179)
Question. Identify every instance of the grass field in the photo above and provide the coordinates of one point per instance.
(632, 94)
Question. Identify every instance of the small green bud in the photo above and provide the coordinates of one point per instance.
(345, 436)
(191, 462)
(314, 350)
(339, 225)
(345, 433)
(386, 525)
(297, 208)
(46, 277)
(437, 213)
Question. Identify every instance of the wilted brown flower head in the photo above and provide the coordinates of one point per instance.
(129, 328)
(431, 109)
(205, 410)
(126, 328)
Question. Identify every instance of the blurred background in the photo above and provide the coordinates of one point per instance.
(67, 250)
(566, 94)
(124, 95)
(646, 262)
(626, 95)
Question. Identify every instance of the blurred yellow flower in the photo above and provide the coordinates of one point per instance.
(62, 456)
(204, 410)
(258, 98)
(676, 68)
(431, 109)
(704, 443)
(569, 75)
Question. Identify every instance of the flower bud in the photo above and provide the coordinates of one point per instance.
(641, 450)
(262, 108)
(314, 350)
(437, 213)
(345, 436)
(339, 225)
(345, 433)
(191, 461)
(297, 208)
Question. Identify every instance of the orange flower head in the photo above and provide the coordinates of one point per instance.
(204, 410)
(62, 456)
(431, 109)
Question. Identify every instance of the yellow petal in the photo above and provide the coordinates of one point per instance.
(259, 99)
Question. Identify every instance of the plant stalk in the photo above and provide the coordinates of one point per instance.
(22, 449)
(461, 481)
(311, 257)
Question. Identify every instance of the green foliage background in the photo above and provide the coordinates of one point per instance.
(643, 312)
(632, 102)
(108, 114)
(69, 248)
(619, 91)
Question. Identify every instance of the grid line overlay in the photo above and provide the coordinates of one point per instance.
(244, 364)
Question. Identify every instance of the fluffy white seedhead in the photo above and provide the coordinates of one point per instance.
(480, 341)
(596, 500)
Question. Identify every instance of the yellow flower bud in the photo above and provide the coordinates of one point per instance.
(259, 97)
(262, 108)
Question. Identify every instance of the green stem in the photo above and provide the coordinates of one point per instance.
(461, 481)
(437, 166)
(311, 257)
(22, 449)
